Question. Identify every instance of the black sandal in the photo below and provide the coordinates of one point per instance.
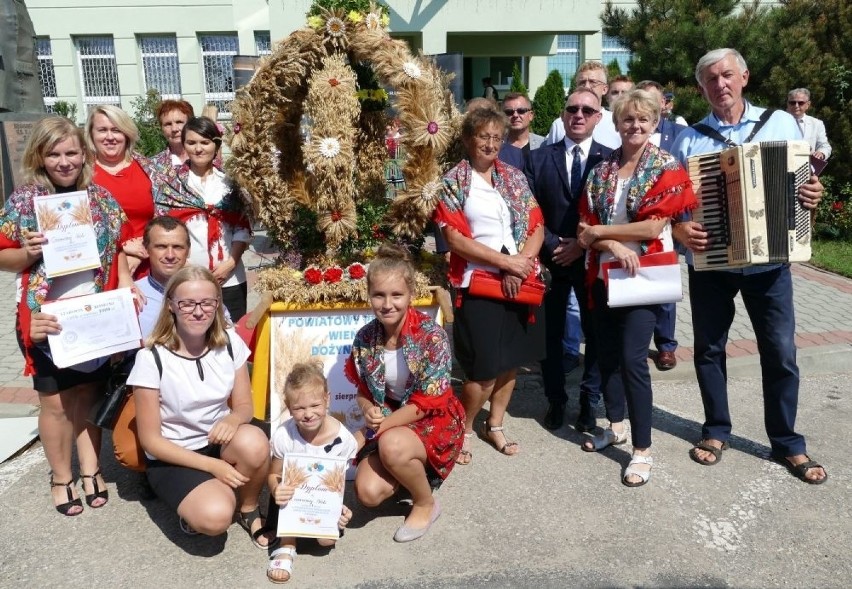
(66, 507)
(246, 519)
(716, 452)
(97, 492)
(800, 470)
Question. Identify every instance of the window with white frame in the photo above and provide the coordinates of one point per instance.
(98, 71)
(612, 49)
(217, 57)
(160, 65)
(567, 58)
(46, 73)
(262, 43)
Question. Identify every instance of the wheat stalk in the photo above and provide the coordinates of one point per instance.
(82, 214)
(334, 479)
(294, 476)
(48, 218)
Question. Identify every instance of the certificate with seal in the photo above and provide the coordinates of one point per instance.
(66, 222)
(93, 326)
(315, 508)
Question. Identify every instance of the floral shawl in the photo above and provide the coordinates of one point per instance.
(176, 198)
(513, 187)
(659, 188)
(18, 216)
(427, 354)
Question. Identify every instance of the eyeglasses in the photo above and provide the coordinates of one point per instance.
(490, 138)
(188, 306)
(590, 83)
(587, 110)
(797, 102)
(511, 111)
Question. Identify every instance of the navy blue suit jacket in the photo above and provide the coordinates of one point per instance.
(547, 174)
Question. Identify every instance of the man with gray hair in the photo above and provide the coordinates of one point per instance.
(766, 290)
(813, 129)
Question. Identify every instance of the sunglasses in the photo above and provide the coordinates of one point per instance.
(797, 102)
(511, 111)
(587, 110)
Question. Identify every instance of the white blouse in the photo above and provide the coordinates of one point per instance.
(490, 222)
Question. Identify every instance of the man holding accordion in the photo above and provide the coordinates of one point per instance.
(766, 289)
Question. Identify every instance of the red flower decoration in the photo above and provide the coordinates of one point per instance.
(313, 275)
(356, 271)
(237, 128)
(432, 128)
(333, 82)
(336, 216)
(332, 275)
(837, 206)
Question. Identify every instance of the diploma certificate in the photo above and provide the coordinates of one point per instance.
(93, 326)
(66, 222)
(315, 508)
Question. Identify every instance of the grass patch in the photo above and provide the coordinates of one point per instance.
(833, 255)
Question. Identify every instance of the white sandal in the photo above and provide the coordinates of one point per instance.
(281, 564)
(644, 475)
(606, 438)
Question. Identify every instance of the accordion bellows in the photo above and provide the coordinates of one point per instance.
(748, 202)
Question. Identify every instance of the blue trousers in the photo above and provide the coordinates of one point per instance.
(552, 371)
(664, 330)
(623, 334)
(768, 298)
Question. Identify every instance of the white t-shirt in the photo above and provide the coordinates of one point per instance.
(213, 190)
(288, 440)
(489, 220)
(396, 374)
(619, 217)
(190, 405)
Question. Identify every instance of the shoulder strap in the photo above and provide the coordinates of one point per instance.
(157, 360)
(714, 134)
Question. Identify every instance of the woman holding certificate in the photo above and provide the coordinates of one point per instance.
(400, 363)
(193, 408)
(128, 175)
(491, 222)
(214, 211)
(56, 161)
(626, 211)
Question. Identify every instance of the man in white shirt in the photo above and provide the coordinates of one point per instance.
(592, 75)
(166, 239)
(813, 129)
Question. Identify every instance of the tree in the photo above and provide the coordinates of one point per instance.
(151, 140)
(613, 69)
(517, 81)
(801, 43)
(548, 103)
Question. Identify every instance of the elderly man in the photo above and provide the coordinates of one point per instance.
(166, 239)
(518, 110)
(556, 174)
(591, 75)
(813, 129)
(766, 290)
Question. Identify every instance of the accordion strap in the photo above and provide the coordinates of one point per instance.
(714, 134)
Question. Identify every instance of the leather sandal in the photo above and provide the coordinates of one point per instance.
(716, 452)
(800, 470)
(67, 507)
(606, 438)
(487, 429)
(97, 492)
(644, 475)
(281, 559)
(246, 519)
(465, 455)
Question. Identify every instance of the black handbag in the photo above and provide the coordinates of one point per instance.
(106, 412)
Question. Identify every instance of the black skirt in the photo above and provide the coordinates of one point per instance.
(491, 337)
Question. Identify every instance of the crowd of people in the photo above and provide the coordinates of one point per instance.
(605, 185)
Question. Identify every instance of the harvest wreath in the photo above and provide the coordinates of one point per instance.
(308, 149)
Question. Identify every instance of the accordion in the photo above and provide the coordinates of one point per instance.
(748, 203)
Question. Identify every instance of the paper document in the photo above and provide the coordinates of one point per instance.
(93, 326)
(656, 281)
(315, 508)
(66, 222)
